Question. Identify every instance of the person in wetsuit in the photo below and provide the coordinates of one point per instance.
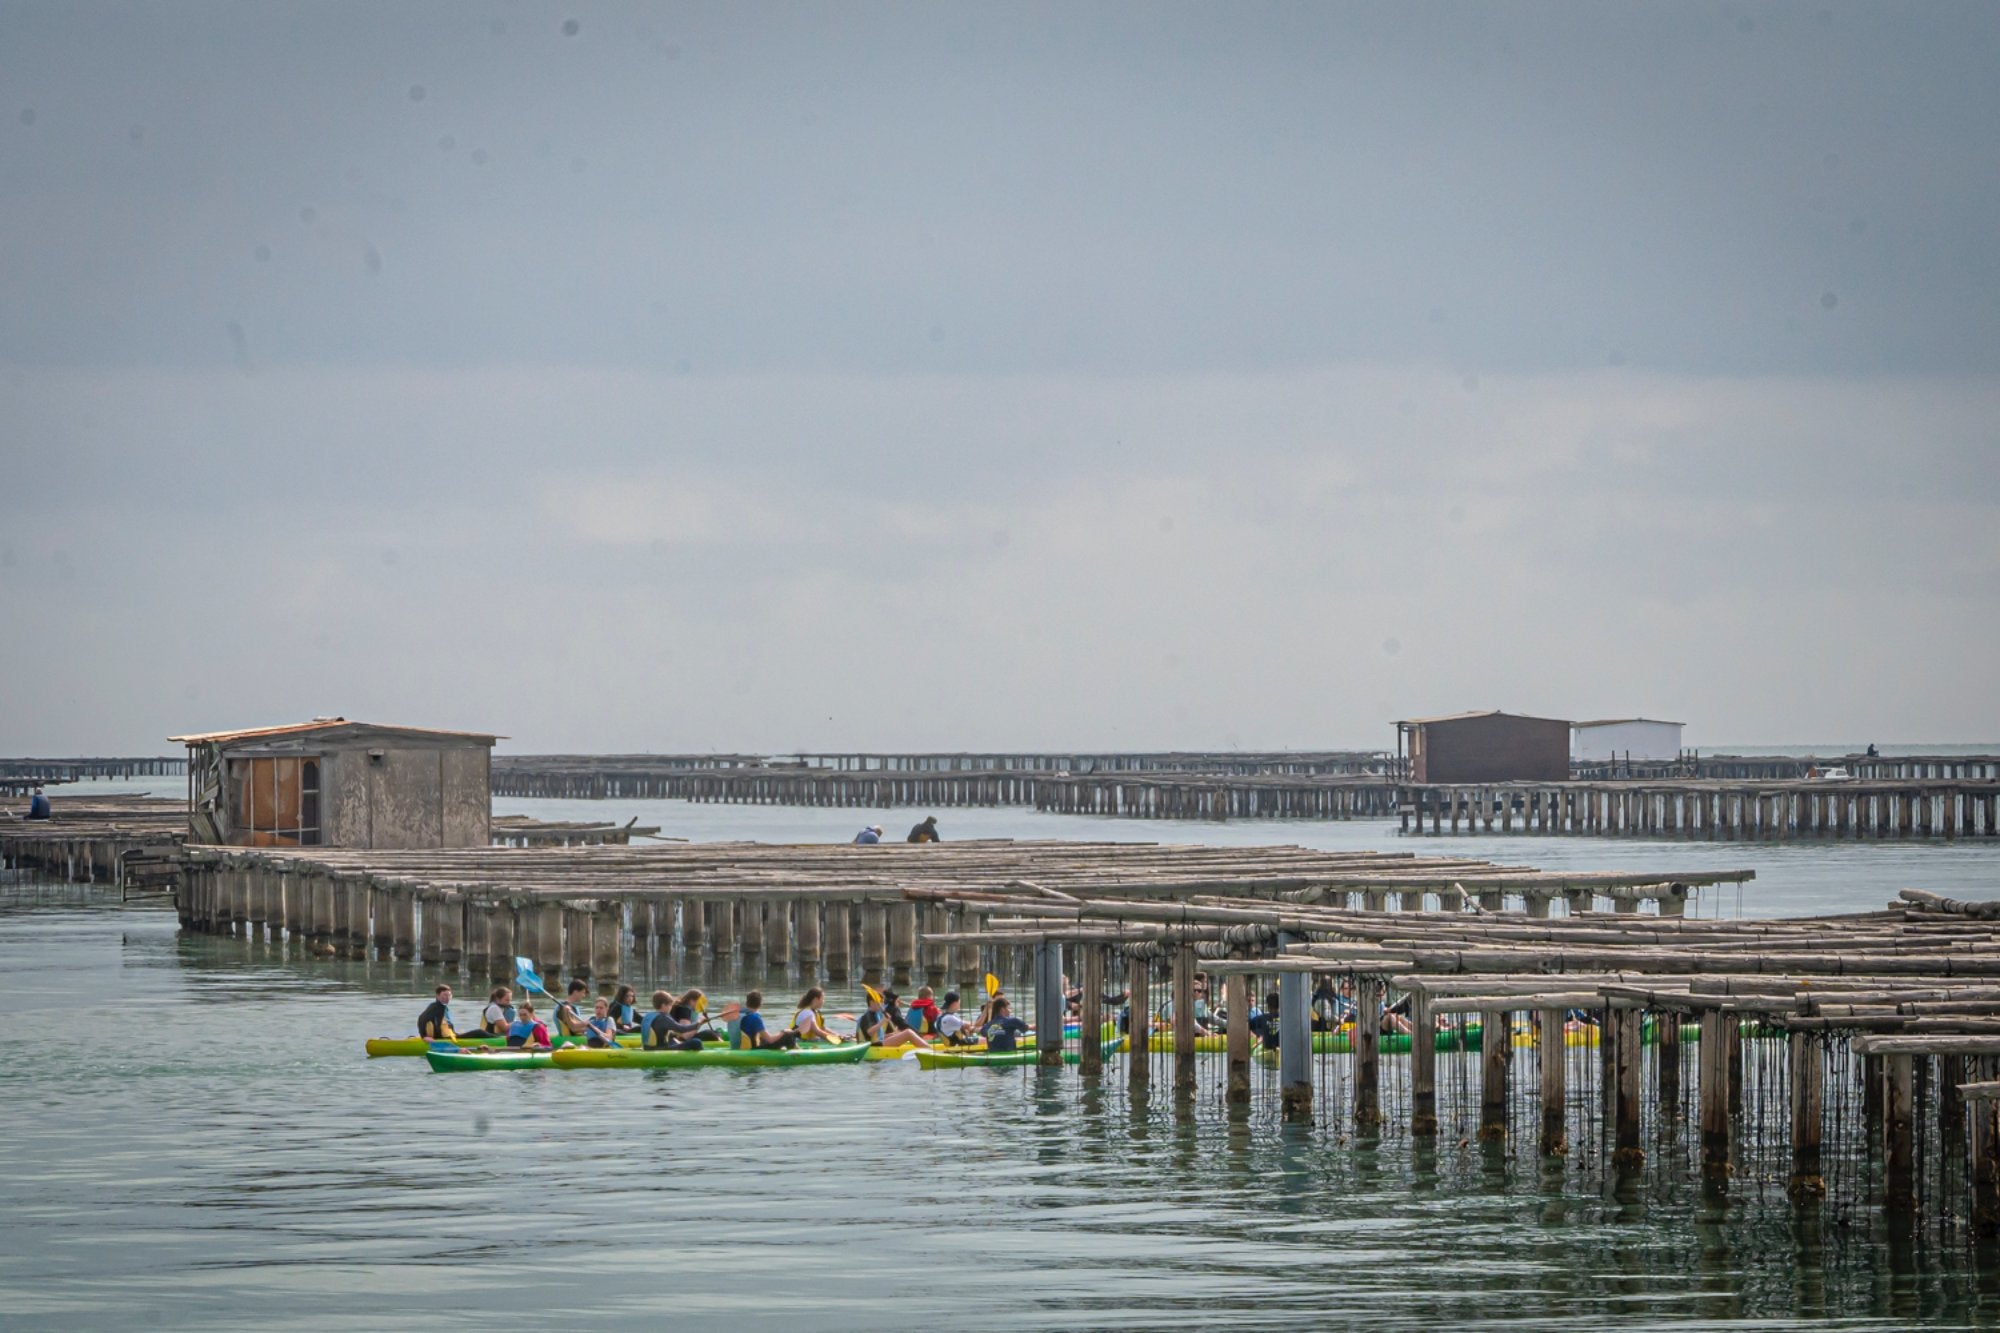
(434, 1024)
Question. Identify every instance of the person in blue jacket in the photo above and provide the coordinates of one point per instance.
(869, 836)
(38, 805)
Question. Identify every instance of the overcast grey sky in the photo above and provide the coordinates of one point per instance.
(768, 377)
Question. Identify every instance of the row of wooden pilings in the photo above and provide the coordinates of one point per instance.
(1894, 1088)
(876, 939)
(1704, 810)
(80, 857)
(1217, 798)
(802, 787)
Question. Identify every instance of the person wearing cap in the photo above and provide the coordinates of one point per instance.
(925, 832)
(869, 836)
(38, 806)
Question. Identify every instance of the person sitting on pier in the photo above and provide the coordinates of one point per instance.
(434, 1024)
(925, 832)
(499, 1011)
(753, 1035)
(625, 1009)
(1004, 1031)
(807, 1021)
(675, 1024)
(526, 1029)
(569, 1012)
(869, 836)
(1264, 1022)
(600, 1029)
(38, 806)
(881, 1025)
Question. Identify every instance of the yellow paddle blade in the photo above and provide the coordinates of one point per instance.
(874, 996)
(992, 985)
(701, 1005)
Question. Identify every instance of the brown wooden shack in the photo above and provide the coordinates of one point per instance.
(1484, 747)
(334, 783)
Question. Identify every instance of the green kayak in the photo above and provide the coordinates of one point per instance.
(445, 1060)
(583, 1057)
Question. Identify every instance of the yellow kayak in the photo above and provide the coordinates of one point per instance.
(383, 1046)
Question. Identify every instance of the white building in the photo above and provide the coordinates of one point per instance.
(1642, 739)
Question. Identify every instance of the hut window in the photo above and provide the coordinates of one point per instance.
(309, 803)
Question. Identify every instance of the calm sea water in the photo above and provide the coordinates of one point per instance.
(196, 1140)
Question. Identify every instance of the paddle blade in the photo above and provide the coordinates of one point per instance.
(701, 1004)
(874, 996)
(992, 985)
(525, 978)
(730, 1012)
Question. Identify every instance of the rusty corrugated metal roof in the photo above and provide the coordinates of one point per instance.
(321, 724)
(1481, 712)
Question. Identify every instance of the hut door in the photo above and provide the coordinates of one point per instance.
(280, 803)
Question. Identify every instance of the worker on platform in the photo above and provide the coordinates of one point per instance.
(869, 836)
(38, 808)
(434, 1024)
(925, 832)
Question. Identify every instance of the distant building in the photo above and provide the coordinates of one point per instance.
(1636, 738)
(335, 783)
(1484, 747)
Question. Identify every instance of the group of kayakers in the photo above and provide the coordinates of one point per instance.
(682, 1022)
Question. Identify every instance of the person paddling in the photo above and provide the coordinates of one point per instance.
(1004, 1032)
(526, 1029)
(923, 1014)
(600, 1029)
(753, 1034)
(878, 1027)
(674, 1025)
(569, 1013)
(807, 1021)
(434, 1024)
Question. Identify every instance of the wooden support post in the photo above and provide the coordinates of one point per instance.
(357, 920)
(1496, 1046)
(1624, 1026)
(722, 926)
(1714, 1092)
(903, 943)
(500, 942)
(576, 943)
(382, 908)
(838, 945)
(749, 927)
(1552, 1051)
(607, 953)
(935, 959)
(1139, 976)
(1295, 1089)
(694, 925)
(874, 942)
(449, 913)
(778, 933)
(1985, 1144)
(403, 912)
(1808, 1115)
(430, 929)
(805, 929)
(1667, 1080)
(1048, 1004)
(1951, 1104)
(1236, 1039)
(965, 969)
(1090, 1053)
(1368, 1054)
(1899, 1163)
(1183, 1012)
(549, 943)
